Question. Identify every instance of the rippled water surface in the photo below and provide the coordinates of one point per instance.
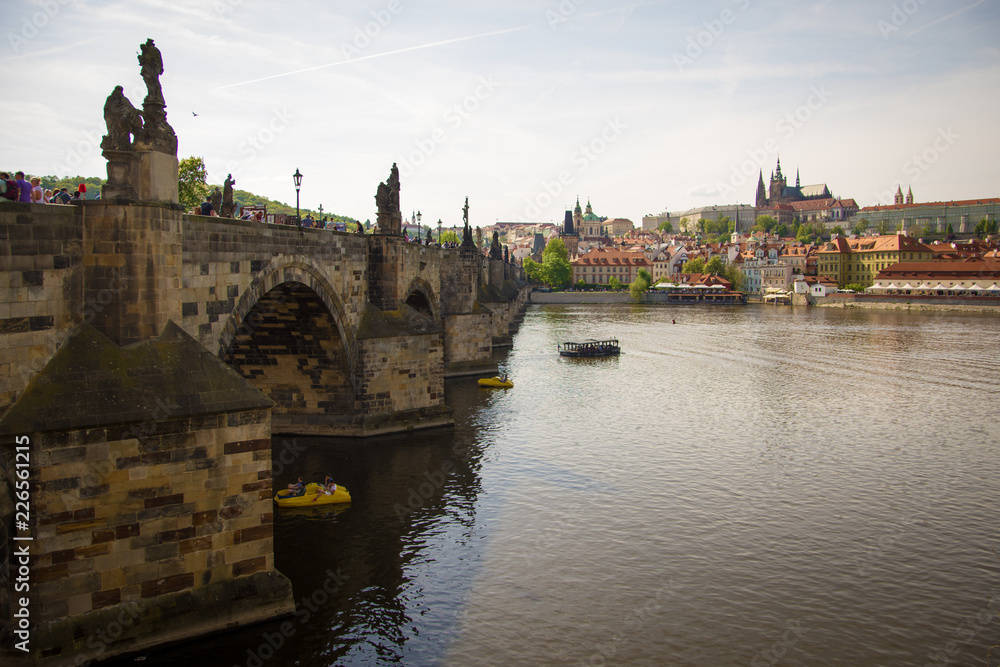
(748, 486)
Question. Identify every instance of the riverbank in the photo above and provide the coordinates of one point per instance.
(972, 304)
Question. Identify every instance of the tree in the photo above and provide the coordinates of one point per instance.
(861, 227)
(666, 227)
(883, 228)
(950, 232)
(638, 288)
(696, 265)
(765, 223)
(735, 276)
(192, 182)
(714, 266)
(782, 230)
(614, 283)
(838, 230)
(644, 274)
(555, 263)
(452, 237)
(985, 227)
(533, 270)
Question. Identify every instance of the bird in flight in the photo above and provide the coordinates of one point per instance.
(193, 113)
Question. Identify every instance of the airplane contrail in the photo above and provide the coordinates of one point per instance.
(630, 7)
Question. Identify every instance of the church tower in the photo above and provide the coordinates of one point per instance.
(578, 217)
(899, 195)
(909, 195)
(778, 184)
(761, 192)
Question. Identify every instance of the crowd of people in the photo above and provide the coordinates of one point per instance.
(29, 191)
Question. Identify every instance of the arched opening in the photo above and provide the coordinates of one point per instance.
(418, 301)
(289, 347)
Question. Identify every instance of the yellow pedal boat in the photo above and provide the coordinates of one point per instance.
(495, 382)
(312, 497)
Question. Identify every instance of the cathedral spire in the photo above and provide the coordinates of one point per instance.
(779, 166)
(761, 192)
(798, 184)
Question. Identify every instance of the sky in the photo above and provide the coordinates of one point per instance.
(523, 106)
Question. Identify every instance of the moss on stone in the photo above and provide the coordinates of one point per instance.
(91, 382)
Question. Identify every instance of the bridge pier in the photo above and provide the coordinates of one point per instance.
(150, 498)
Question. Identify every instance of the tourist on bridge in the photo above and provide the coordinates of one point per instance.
(8, 188)
(206, 206)
(23, 189)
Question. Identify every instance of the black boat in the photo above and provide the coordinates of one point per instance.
(590, 348)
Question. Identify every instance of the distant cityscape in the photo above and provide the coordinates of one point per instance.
(794, 237)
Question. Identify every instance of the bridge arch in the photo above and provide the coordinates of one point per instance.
(420, 297)
(289, 335)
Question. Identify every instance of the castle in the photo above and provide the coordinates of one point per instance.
(779, 192)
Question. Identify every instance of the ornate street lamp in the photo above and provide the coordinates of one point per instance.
(439, 231)
(297, 177)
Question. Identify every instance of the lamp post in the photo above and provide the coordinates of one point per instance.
(297, 177)
(439, 231)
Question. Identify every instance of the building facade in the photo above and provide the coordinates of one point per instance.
(859, 260)
(600, 265)
(933, 217)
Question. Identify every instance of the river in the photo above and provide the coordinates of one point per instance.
(751, 485)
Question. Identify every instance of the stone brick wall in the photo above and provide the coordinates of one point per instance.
(134, 515)
(230, 264)
(41, 288)
(468, 345)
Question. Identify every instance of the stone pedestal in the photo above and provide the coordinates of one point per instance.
(157, 177)
(122, 169)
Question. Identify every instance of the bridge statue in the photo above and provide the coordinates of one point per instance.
(123, 120)
(227, 197)
(390, 218)
(466, 229)
(156, 135)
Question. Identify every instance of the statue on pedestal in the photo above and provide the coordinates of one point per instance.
(151, 67)
(156, 134)
(495, 251)
(390, 218)
(227, 197)
(123, 120)
(216, 199)
(466, 229)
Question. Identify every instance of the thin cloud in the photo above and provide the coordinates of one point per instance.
(945, 18)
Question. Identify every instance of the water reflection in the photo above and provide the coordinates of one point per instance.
(743, 483)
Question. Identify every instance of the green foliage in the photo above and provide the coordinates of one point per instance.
(735, 276)
(645, 275)
(838, 230)
(781, 230)
(71, 183)
(696, 265)
(714, 266)
(452, 237)
(192, 182)
(985, 227)
(555, 263)
(614, 283)
(950, 231)
(861, 227)
(581, 283)
(666, 227)
(533, 270)
(638, 288)
(765, 223)
(857, 287)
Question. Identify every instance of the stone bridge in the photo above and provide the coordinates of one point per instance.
(348, 334)
(146, 358)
